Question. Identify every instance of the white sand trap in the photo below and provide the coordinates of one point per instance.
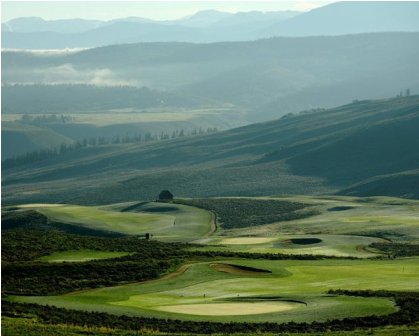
(247, 240)
(227, 309)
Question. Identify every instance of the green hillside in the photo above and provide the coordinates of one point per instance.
(314, 152)
(399, 183)
(18, 138)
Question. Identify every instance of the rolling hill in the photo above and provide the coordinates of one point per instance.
(18, 139)
(309, 153)
(391, 184)
(351, 17)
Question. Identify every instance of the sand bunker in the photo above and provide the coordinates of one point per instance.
(305, 241)
(247, 240)
(226, 309)
(39, 205)
(238, 269)
(341, 208)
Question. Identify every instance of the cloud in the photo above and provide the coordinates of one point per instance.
(68, 74)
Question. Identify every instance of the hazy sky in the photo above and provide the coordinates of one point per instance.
(158, 10)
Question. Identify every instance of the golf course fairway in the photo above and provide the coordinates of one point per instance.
(295, 290)
(174, 222)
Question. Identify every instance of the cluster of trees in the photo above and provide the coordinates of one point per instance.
(47, 119)
(47, 279)
(406, 93)
(408, 313)
(266, 256)
(45, 153)
(13, 219)
(242, 212)
(23, 274)
(27, 243)
(397, 249)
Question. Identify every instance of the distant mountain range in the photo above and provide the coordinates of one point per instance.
(365, 148)
(212, 26)
(206, 26)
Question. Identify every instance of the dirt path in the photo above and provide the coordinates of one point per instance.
(214, 227)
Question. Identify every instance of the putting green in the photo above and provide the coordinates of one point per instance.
(190, 223)
(247, 240)
(231, 309)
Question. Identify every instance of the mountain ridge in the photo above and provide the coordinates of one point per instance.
(339, 18)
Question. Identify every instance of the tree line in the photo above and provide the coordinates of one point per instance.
(47, 119)
(46, 153)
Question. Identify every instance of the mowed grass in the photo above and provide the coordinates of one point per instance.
(386, 217)
(190, 223)
(331, 245)
(345, 226)
(304, 283)
(114, 221)
(181, 223)
(81, 255)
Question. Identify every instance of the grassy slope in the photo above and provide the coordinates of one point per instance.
(95, 218)
(301, 280)
(131, 121)
(310, 153)
(18, 138)
(386, 185)
(164, 222)
(190, 222)
(332, 245)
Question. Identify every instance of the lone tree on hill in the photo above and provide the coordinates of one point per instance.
(165, 195)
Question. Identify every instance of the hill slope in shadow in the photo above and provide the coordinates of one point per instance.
(309, 153)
